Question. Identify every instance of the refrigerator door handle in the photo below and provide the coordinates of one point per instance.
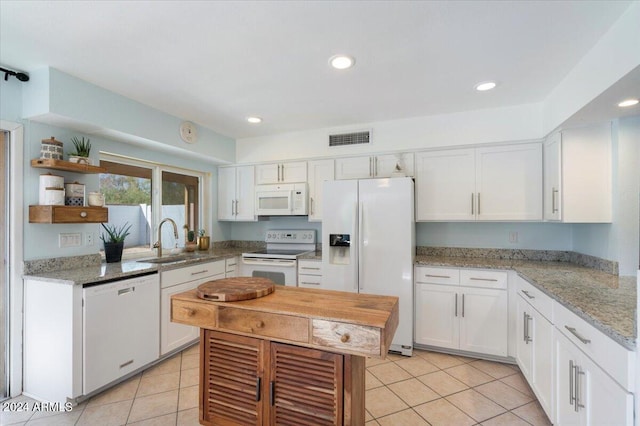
(360, 209)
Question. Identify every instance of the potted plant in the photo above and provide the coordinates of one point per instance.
(191, 243)
(114, 241)
(203, 240)
(83, 149)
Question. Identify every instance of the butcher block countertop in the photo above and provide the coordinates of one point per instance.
(343, 322)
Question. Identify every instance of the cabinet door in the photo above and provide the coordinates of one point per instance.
(608, 403)
(319, 172)
(509, 182)
(231, 267)
(293, 172)
(268, 173)
(541, 332)
(445, 185)
(226, 193)
(306, 386)
(354, 167)
(552, 151)
(233, 368)
(524, 344)
(483, 321)
(567, 357)
(436, 315)
(384, 165)
(245, 194)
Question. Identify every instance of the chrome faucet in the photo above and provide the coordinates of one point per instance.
(158, 243)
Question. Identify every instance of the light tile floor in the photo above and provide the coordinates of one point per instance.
(427, 389)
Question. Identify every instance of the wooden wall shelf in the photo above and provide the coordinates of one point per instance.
(46, 163)
(68, 214)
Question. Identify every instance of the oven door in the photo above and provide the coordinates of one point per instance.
(280, 271)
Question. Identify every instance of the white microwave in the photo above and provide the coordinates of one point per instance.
(287, 199)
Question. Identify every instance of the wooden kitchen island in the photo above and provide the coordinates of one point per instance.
(296, 356)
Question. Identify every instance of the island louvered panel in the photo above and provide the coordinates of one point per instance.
(306, 385)
(233, 383)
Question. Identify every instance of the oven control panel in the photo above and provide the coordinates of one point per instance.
(306, 236)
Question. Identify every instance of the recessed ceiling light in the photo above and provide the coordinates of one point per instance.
(628, 103)
(485, 85)
(342, 62)
(254, 120)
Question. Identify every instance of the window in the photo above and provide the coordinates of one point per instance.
(136, 190)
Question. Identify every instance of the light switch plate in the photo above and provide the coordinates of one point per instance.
(72, 239)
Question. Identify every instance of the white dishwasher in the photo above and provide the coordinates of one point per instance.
(120, 329)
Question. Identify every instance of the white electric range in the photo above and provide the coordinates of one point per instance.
(279, 262)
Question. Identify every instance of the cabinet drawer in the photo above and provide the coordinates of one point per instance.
(349, 337)
(310, 281)
(264, 324)
(482, 278)
(310, 267)
(231, 264)
(614, 359)
(201, 315)
(190, 273)
(536, 298)
(437, 275)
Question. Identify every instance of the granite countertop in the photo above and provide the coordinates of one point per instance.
(87, 274)
(606, 301)
(313, 255)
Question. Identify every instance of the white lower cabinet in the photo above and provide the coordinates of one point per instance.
(462, 309)
(231, 267)
(586, 395)
(534, 351)
(173, 335)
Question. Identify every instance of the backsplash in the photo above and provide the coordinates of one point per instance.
(39, 266)
(604, 265)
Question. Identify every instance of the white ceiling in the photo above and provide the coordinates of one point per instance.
(215, 63)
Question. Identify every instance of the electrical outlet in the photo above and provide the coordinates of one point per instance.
(513, 237)
(89, 238)
(70, 239)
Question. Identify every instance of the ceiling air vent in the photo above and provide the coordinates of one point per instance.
(349, 138)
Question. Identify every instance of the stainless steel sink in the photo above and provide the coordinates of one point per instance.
(164, 259)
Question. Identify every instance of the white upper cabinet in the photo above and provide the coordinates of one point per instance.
(236, 193)
(373, 166)
(319, 172)
(501, 183)
(509, 182)
(577, 175)
(445, 185)
(290, 172)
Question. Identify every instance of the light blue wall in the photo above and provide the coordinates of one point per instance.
(10, 99)
(41, 240)
(619, 240)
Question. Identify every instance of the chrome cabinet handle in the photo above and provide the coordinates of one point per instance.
(526, 293)
(527, 337)
(375, 165)
(307, 283)
(126, 363)
(571, 383)
(554, 192)
(370, 166)
(472, 212)
(578, 372)
(462, 305)
(204, 271)
(524, 327)
(311, 200)
(309, 267)
(478, 204)
(575, 333)
(456, 306)
(436, 276)
(237, 207)
(483, 279)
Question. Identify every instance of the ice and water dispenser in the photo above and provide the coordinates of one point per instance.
(339, 249)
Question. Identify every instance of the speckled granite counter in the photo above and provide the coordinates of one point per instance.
(314, 255)
(606, 301)
(99, 272)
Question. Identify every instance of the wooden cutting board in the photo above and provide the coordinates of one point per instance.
(234, 289)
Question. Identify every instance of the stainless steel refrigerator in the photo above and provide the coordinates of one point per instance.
(368, 236)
